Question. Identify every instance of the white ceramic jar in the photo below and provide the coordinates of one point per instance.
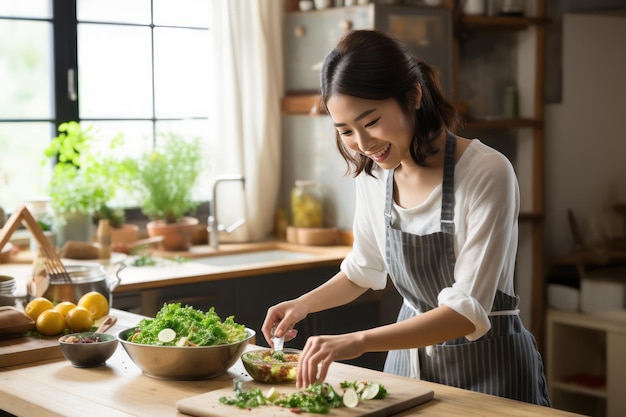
(474, 7)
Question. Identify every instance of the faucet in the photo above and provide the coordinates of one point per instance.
(213, 225)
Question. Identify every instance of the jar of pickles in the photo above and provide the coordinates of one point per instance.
(306, 204)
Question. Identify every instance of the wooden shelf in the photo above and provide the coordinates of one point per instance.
(471, 23)
(302, 103)
(530, 217)
(503, 124)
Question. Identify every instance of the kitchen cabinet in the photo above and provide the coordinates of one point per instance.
(586, 362)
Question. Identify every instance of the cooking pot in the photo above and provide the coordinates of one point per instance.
(84, 279)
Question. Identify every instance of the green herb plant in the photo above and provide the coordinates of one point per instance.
(167, 176)
(87, 172)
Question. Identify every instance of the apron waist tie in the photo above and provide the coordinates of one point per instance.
(430, 350)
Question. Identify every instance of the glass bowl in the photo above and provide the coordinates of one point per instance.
(262, 366)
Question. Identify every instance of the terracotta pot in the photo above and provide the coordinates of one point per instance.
(176, 236)
(127, 233)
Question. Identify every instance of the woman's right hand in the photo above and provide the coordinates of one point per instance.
(282, 317)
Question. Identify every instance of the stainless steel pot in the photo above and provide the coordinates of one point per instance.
(84, 279)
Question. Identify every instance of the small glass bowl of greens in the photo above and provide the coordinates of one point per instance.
(264, 365)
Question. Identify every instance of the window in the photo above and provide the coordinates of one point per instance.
(137, 67)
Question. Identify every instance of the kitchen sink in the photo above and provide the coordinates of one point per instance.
(272, 255)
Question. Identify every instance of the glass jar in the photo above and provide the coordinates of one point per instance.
(306, 204)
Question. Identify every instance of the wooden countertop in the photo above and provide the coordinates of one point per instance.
(168, 273)
(55, 388)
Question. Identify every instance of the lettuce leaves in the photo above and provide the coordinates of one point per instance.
(193, 327)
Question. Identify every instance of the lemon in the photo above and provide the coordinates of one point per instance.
(50, 323)
(79, 319)
(64, 307)
(95, 303)
(370, 391)
(271, 394)
(36, 306)
(350, 398)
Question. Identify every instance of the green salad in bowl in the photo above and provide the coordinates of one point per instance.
(185, 344)
(175, 325)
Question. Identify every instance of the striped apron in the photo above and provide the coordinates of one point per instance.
(505, 361)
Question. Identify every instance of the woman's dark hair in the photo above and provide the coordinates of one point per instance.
(372, 65)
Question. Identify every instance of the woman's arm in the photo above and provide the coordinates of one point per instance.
(337, 291)
(434, 326)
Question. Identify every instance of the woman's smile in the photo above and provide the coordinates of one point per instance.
(380, 155)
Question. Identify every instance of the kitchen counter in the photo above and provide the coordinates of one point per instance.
(169, 272)
(55, 388)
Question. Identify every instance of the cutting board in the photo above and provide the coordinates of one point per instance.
(27, 349)
(403, 393)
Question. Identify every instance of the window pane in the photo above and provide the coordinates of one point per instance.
(25, 70)
(137, 139)
(21, 174)
(193, 13)
(192, 129)
(118, 11)
(182, 72)
(41, 9)
(115, 68)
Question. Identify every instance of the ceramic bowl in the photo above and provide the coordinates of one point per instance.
(305, 5)
(262, 366)
(88, 349)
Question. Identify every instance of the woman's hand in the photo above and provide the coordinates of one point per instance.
(320, 351)
(283, 317)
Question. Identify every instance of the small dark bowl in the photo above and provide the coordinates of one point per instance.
(88, 355)
(263, 368)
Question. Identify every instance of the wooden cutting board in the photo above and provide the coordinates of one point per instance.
(21, 350)
(404, 393)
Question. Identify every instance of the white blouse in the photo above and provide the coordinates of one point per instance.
(486, 232)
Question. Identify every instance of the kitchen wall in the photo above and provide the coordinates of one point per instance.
(585, 139)
(309, 153)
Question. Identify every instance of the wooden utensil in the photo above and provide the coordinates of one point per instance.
(106, 324)
(54, 267)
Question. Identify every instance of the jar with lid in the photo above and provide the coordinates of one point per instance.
(306, 204)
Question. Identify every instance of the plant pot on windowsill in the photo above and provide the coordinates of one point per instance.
(126, 233)
(176, 236)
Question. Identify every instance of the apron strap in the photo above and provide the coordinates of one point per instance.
(447, 199)
(447, 194)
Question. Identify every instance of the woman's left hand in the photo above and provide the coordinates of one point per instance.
(320, 351)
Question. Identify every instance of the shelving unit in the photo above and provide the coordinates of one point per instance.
(521, 138)
(585, 365)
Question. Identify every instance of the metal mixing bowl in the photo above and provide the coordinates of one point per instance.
(87, 355)
(184, 362)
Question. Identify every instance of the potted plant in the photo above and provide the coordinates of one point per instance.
(122, 233)
(84, 178)
(165, 180)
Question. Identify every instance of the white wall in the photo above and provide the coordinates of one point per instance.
(585, 149)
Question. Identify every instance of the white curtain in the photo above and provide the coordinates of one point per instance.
(248, 84)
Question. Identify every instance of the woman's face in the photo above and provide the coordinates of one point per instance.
(377, 129)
